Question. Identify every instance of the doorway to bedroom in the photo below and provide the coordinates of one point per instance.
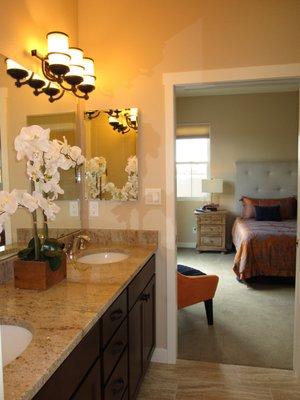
(237, 141)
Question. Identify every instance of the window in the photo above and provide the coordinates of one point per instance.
(192, 165)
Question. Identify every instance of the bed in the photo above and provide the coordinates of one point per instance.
(265, 248)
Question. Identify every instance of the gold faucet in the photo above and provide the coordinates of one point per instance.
(79, 243)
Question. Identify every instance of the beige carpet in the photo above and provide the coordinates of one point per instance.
(253, 325)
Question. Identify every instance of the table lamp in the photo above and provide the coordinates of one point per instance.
(212, 186)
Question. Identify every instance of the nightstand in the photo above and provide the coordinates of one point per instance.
(211, 231)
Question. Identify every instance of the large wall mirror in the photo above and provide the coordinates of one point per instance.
(111, 154)
(18, 108)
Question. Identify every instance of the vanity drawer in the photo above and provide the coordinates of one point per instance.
(139, 283)
(215, 241)
(212, 218)
(113, 317)
(91, 386)
(211, 229)
(118, 382)
(114, 350)
(69, 375)
(125, 395)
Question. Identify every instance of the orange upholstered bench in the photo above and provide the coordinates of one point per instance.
(194, 286)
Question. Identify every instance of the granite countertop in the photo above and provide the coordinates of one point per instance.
(61, 316)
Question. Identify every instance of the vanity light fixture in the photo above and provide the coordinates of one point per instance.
(122, 120)
(64, 69)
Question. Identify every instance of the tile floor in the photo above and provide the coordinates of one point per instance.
(196, 380)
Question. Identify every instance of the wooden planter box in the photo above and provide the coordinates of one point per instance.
(37, 274)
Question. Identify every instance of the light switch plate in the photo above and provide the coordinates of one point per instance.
(93, 208)
(153, 196)
(73, 208)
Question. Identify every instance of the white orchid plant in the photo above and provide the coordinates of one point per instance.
(129, 191)
(95, 170)
(45, 158)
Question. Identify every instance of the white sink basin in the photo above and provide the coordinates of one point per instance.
(103, 258)
(14, 340)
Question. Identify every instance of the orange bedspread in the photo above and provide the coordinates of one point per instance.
(264, 248)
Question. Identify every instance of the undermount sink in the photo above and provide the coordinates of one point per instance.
(15, 340)
(103, 258)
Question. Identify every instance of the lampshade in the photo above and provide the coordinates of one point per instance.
(15, 70)
(88, 84)
(212, 185)
(88, 64)
(58, 42)
(76, 55)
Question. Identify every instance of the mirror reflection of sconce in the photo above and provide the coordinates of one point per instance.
(64, 69)
(121, 120)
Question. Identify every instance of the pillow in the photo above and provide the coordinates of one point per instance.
(268, 213)
(288, 206)
(188, 271)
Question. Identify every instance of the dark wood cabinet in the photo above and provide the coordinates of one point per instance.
(110, 361)
(141, 330)
(135, 344)
(68, 377)
(148, 326)
(91, 386)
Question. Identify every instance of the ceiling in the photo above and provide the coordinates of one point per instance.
(270, 86)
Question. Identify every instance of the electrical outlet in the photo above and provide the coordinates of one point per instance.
(93, 208)
(153, 196)
(194, 229)
(73, 208)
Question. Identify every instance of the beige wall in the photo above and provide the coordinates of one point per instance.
(135, 45)
(249, 127)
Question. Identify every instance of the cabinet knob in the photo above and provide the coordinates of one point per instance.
(115, 315)
(117, 348)
(118, 386)
(145, 296)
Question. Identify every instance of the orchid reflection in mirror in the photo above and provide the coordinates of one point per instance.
(112, 166)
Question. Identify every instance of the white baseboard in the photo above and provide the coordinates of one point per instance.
(187, 245)
(160, 355)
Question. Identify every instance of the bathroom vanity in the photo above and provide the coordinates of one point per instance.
(93, 334)
(112, 358)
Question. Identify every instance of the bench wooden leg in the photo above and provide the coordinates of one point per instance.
(209, 311)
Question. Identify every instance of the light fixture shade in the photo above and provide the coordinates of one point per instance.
(52, 89)
(15, 70)
(76, 55)
(212, 185)
(88, 64)
(58, 42)
(113, 121)
(37, 82)
(59, 63)
(133, 114)
(88, 84)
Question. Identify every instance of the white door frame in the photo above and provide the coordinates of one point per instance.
(170, 81)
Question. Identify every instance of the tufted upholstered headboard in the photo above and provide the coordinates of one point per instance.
(265, 179)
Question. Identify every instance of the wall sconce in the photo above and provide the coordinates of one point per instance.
(64, 68)
(122, 120)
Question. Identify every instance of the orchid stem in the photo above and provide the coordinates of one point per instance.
(46, 229)
(35, 230)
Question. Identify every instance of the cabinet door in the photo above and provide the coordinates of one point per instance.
(135, 347)
(148, 340)
(90, 389)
